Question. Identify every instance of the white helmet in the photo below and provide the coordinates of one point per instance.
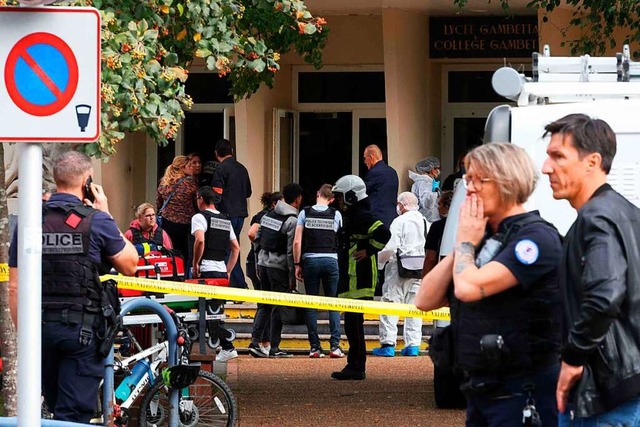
(353, 188)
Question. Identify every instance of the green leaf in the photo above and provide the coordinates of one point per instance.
(150, 35)
(211, 63)
(203, 53)
(180, 9)
(258, 65)
(171, 59)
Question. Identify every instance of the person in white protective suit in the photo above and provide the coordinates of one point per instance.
(407, 242)
(426, 187)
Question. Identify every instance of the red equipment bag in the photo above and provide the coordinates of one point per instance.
(166, 263)
(209, 282)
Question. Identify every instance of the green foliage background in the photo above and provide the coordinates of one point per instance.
(148, 46)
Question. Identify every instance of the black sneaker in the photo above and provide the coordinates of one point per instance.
(256, 351)
(348, 374)
(277, 353)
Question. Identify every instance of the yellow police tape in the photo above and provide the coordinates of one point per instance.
(4, 272)
(278, 298)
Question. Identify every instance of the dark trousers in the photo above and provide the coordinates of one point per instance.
(237, 279)
(354, 329)
(261, 331)
(273, 280)
(179, 234)
(225, 344)
(71, 372)
(504, 407)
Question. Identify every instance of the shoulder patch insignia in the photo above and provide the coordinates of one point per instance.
(527, 251)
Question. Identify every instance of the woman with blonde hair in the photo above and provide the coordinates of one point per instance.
(505, 301)
(176, 202)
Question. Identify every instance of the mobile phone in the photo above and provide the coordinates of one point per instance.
(88, 193)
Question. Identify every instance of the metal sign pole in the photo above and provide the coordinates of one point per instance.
(29, 284)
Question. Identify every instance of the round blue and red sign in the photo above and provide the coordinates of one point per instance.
(41, 74)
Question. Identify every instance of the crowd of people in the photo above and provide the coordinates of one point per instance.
(544, 330)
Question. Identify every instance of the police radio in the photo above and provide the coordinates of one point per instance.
(88, 193)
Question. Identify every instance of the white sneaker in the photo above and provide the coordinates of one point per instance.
(266, 349)
(226, 355)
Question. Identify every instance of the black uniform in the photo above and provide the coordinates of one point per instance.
(358, 279)
(76, 241)
(510, 341)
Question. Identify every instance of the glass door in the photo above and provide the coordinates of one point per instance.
(284, 149)
(463, 129)
(369, 127)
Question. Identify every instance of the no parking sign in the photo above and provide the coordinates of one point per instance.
(49, 74)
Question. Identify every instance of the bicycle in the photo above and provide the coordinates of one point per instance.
(204, 398)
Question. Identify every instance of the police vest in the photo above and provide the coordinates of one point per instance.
(526, 320)
(272, 238)
(138, 238)
(319, 233)
(69, 279)
(216, 237)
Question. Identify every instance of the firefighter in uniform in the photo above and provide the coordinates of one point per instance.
(360, 239)
(213, 236)
(79, 241)
(506, 312)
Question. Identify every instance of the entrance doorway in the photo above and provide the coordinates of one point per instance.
(330, 145)
(325, 150)
(463, 130)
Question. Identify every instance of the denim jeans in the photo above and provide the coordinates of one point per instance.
(627, 414)
(314, 270)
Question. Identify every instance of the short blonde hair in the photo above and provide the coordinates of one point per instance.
(509, 166)
(143, 207)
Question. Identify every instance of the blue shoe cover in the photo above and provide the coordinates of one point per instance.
(384, 351)
(412, 350)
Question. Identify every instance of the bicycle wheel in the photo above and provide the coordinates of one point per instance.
(209, 402)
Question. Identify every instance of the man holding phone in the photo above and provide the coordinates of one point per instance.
(80, 240)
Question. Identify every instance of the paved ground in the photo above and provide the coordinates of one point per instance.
(299, 392)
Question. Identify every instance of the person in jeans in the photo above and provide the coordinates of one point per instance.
(213, 236)
(315, 252)
(275, 261)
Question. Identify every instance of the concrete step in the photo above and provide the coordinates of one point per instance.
(295, 338)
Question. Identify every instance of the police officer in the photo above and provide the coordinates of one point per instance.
(275, 262)
(79, 241)
(315, 248)
(506, 311)
(213, 236)
(361, 238)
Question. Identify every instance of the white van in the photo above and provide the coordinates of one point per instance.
(603, 88)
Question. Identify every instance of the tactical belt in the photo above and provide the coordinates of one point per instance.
(73, 317)
(63, 316)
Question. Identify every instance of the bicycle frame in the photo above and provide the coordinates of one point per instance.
(172, 333)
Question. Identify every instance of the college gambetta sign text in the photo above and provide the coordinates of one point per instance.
(483, 37)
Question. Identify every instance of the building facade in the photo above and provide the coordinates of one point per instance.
(413, 76)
